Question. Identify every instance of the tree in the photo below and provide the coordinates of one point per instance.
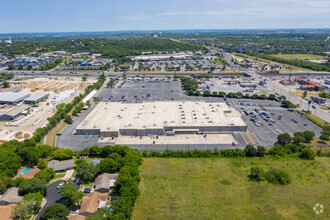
(86, 171)
(67, 119)
(71, 195)
(108, 165)
(5, 84)
(23, 209)
(84, 78)
(307, 154)
(323, 95)
(261, 150)
(3, 188)
(55, 211)
(11, 67)
(305, 94)
(42, 164)
(298, 139)
(250, 151)
(45, 174)
(277, 176)
(309, 135)
(284, 139)
(33, 186)
(35, 199)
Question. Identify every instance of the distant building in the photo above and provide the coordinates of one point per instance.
(14, 112)
(311, 84)
(11, 98)
(318, 100)
(34, 99)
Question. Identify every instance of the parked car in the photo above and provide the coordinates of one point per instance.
(87, 190)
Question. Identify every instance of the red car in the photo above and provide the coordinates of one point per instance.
(234, 144)
(270, 124)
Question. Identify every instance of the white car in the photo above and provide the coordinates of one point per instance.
(278, 131)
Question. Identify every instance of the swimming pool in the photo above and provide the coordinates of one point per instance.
(25, 171)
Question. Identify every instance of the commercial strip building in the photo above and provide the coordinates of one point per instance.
(11, 98)
(160, 118)
(34, 99)
(15, 112)
(163, 57)
(309, 84)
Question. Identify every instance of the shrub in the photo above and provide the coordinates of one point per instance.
(284, 138)
(250, 151)
(324, 137)
(256, 174)
(261, 150)
(307, 154)
(277, 176)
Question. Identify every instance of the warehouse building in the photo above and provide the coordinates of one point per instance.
(34, 99)
(11, 98)
(15, 112)
(160, 118)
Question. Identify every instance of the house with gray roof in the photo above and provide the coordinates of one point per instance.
(10, 196)
(58, 165)
(105, 181)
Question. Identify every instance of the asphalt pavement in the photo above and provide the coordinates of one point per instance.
(53, 196)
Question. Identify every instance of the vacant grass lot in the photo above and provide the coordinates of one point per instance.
(219, 189)
(299, 56)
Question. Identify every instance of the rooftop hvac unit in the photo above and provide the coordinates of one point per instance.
(122, 110)
(154, 106)
(142, 105)
(153, 113)
(105, 107)
(94, 126)
(172, 121)
(213, 110)
(204, 113)
(154, 125)
(194, 114)
(129, 125)
(118, 115)
(183, 118)
(144, 126)
(183, 122)
(207, 117)
(210, 122)
(195, 118)
(182, 111)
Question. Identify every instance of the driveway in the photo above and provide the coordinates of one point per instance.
(53, 196)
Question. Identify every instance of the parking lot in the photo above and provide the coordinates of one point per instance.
(132, 92)
(268, 131)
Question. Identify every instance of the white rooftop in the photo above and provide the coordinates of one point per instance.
(12, 96)
(113, 116)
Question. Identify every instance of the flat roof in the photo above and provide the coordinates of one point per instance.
(16, 110)
(113, 116)
(13, 96)
(36, 97)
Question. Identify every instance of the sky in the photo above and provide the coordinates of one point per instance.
(21, 16)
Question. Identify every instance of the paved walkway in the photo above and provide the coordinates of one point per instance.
(68, 174)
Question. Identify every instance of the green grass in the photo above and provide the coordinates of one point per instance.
(299, 56)
(317, 120)
(219, 189)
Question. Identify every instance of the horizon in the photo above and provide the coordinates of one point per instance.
(170, 30)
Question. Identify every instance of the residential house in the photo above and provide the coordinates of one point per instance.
(10, 196)
(104, 182)
(61, 165)
(92, 202)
